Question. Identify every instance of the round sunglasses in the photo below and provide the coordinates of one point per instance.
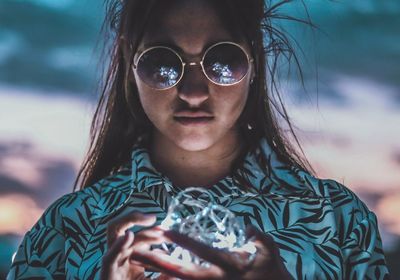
(224, 64)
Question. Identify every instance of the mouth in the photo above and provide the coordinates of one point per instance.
(194, 120)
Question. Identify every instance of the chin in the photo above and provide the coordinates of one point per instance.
(194, 143)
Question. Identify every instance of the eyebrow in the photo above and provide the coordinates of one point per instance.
(165, 43)
(172, 45)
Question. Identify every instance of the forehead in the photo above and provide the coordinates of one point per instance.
(190, 25)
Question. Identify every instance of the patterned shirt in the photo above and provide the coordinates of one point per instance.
(322, 229)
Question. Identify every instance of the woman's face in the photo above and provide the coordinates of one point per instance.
(190, 27)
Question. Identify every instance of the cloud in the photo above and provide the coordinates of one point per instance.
(17, 213)
(57, 126)
(396, 157)
(21, 165)
(24, 170)
(388, 210)
(354, 142)
(42, 142)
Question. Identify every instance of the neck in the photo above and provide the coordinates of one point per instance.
(195, 168)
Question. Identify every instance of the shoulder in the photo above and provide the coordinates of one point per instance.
(92, 202)
(349, 210)
(357, 230)
(41, 254)
(343, 200)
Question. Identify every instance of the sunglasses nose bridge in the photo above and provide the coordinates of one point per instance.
(199, 64)
(193, 64)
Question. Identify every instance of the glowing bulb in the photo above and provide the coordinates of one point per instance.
(167, 223)
(186, 258)
(193, 212)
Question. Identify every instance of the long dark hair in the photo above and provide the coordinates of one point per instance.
(119, 119)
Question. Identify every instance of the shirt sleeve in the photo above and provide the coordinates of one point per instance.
(41, 254)
(363, 253)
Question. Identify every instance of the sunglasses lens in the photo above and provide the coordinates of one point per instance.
(160, 68)
(225, 64)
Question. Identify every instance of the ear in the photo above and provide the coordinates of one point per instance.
(252, 72)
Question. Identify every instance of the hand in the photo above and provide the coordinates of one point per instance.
(116, 263)
(266, 265)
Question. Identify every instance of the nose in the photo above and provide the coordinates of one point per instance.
(193, 88)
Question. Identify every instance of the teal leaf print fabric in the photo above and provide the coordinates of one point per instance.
(322, 229)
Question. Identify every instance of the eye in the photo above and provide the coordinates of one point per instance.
(225, 63)
(159, 67)
(165, 76)
(221, 73)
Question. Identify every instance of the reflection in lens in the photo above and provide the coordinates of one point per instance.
(225, 64)
(160, 68)
(165, 76)
(223, 74)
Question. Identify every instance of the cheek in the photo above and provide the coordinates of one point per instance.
(154, 103)
(145, 96)
(145, 99)
(234, 101)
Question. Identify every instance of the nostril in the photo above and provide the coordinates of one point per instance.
(193, 97)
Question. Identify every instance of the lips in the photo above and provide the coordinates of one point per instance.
(192, 114)
(190, 117)
(193, 121)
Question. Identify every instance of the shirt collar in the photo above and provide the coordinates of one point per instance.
(144, 175)
(261, 173)
(111, 193)
(261, 170)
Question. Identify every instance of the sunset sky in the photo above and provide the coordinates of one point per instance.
(348, 122)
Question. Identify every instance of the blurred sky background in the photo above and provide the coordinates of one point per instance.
(349, 122)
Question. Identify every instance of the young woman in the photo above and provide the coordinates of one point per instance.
(187, 104)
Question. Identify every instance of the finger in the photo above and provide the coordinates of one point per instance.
(228, 262)
(265, 244)
(159, 262)
(119, 245)
(165, 277)
(152, 232)
(157, 252)
(117, 226)
(130, 247)
(141, 242)
(144, 241)
(265, 239)
(268, 253)
(126, 250)
(175, 268)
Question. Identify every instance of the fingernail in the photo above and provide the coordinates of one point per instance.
(128, 234)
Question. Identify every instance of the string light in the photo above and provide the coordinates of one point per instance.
(194, 212)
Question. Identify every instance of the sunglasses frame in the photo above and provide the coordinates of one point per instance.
(250, 60)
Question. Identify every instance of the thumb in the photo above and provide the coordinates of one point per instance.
(117, 226)
(264, 242)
